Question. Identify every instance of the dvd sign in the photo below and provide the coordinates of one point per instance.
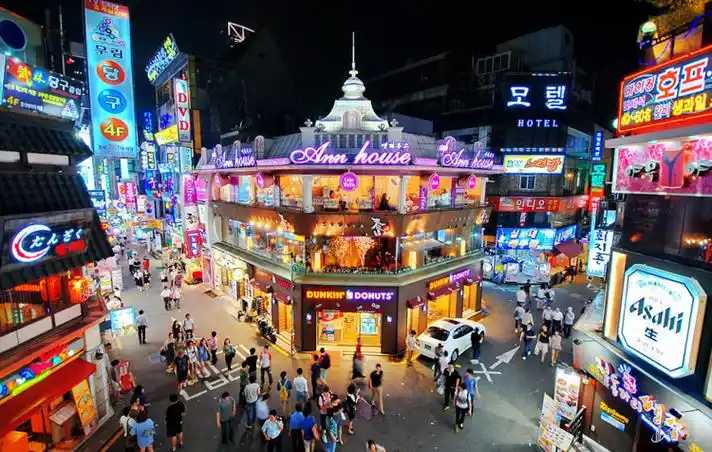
(182, 97)
(661, 318)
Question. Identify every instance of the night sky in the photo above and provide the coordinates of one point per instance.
(314, 36)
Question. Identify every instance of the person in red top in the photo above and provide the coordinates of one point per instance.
(146, 263)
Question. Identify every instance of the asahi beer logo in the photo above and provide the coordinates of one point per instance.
(661, 318)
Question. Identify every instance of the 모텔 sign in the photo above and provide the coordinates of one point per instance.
(661, 318)
(674, 92)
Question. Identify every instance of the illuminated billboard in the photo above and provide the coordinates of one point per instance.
(533, 164)
(676, 92)
(110, 76)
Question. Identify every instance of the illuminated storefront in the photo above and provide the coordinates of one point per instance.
(352, 206)
(342, 315)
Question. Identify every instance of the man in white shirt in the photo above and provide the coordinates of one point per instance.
(188, 325)
(557, 320)
(266, 365)
(166, 295)
(252, 393)
(411, 344)
(521, 296)
(141, 324)
(546, 317)
(301, 387)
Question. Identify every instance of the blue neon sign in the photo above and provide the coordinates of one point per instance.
(110, 76)
(597, 151)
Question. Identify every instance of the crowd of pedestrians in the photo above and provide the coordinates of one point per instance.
(555, 324)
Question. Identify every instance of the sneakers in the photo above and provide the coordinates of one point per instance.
(445, 408)
(524, 357)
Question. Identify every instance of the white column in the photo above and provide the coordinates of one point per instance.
(402, 206)
(483, 192)
(307, 182)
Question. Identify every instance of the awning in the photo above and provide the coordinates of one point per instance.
(282, 297)
(264, 286)
(570, 248)
(415, 302)
(440, 291)
(21, 407)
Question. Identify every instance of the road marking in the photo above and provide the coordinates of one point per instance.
(187, 397)
(247, 350)
(487, 373)
(504, 358)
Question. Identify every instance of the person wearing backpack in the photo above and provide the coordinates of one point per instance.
(284, 388)
(324, 405)
(324, 363)
(127, 423)
(144, 429)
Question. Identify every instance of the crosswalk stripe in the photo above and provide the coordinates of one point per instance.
(247, 350)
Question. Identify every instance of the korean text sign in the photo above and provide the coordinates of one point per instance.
(676, 91)
(38, 90)
(533, 109)
(110, 75)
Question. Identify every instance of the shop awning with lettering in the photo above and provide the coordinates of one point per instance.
(21, 407)
(415, 302)
(571, 248)
(282, 297)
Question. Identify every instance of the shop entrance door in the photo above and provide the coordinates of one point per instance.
(417, 319)
(344, 328)
(442, 306)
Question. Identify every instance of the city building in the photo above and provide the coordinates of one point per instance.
(350, 229)
(530, 104)
(645, 376)
(54, 385)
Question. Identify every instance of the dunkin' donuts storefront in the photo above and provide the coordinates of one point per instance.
(338, 316)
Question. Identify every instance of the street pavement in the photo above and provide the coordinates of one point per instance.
(505, 416)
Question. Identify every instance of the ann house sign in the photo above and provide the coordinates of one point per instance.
(661, 318)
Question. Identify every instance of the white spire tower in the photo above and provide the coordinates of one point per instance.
(353, 87)
(353, 70)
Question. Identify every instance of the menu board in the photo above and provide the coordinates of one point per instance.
(84, 402)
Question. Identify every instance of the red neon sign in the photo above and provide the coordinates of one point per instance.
(672, 93)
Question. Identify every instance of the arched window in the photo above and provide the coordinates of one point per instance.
(352, 120)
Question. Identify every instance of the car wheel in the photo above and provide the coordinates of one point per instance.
(455, 355)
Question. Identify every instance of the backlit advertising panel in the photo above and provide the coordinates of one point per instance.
(35, 89)
(110, 75)
(533, 164)
(182, 97)
(675, 92)
(665, 168)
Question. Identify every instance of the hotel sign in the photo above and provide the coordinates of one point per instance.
(661, 318)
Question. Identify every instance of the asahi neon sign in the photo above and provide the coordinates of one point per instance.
(322, 155)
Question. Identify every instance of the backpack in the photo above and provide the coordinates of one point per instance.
(284, 390)
(325, 361)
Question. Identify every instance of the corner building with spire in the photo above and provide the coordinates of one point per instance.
(351, 229)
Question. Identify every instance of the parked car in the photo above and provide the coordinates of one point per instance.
(454, 334)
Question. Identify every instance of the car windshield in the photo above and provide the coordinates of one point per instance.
(438, 333)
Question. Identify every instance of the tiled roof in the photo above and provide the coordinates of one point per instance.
(24, 133)
(37, 193)
(29, 193)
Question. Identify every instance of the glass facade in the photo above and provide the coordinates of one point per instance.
(281, 247)
(428, 248)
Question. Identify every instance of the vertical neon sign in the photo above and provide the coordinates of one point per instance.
(110, 76)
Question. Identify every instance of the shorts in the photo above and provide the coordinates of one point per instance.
(173, 430)
(182, 377)
(541, 347)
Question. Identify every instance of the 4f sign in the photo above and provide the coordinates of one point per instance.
(182, 96)
(661, 318)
